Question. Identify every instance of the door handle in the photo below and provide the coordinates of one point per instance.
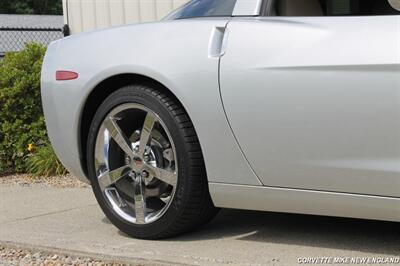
(218, 42)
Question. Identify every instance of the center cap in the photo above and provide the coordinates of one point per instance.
(137, 162)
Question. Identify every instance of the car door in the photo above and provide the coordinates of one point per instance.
(314, 101)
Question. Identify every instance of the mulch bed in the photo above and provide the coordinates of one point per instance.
(67, 181)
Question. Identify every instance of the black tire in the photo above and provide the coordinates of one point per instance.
(191, 205)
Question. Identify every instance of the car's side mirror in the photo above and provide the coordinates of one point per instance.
(395, 4)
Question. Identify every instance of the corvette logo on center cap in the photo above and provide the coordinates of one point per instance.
(138, 162)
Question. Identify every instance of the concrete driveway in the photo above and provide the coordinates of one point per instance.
(69, 220)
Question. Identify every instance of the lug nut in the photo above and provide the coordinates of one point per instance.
(145, 174)
(132, 174)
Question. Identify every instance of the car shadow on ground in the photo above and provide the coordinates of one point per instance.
(306, 230)
(368, 236)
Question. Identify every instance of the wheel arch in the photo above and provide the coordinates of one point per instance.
(100, 92)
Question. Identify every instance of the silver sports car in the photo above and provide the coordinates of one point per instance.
(275, 105)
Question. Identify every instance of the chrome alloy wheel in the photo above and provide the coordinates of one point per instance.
(135, 163)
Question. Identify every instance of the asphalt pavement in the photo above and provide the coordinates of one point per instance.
(68, 220)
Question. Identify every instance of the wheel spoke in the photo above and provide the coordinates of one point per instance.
(146, 131)
(118, 135)
(108, 178)
(162, 174)
(117, 198)
(140, 200)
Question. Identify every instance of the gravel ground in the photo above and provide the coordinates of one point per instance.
(20, 257)
(53, 181)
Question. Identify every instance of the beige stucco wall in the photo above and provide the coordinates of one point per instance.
(84, 15)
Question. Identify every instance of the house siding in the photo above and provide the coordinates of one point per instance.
(84, 15)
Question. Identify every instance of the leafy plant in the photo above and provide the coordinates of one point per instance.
(44, 162)
(21, 115)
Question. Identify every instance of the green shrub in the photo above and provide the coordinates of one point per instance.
(21, 115)
(44, 162)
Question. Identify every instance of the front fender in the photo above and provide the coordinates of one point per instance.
(175, 53)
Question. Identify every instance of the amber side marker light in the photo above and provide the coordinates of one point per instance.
(66, 75)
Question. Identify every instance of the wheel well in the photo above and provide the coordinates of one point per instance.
(100, 93)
